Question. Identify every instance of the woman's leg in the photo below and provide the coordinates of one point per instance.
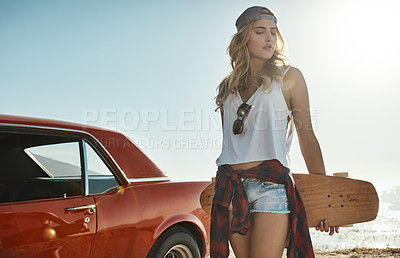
(268, 234)
(240, 244)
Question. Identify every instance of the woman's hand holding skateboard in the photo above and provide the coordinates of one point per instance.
(324, 227)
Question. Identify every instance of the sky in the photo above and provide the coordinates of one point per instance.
(150, 69)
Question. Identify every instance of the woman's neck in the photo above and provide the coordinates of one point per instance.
(256, 65)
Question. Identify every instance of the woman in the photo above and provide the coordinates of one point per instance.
(259, 102)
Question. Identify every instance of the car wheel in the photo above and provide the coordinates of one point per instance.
(176, 242)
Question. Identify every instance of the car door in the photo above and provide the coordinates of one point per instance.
(46, 229)
(45, 207)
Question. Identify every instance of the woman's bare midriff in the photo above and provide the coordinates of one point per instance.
(246, 165)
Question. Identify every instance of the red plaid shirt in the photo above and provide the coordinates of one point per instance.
(299, 244)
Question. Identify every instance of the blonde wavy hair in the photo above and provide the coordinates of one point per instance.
(240, 62)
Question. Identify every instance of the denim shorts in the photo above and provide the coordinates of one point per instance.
(265, 196)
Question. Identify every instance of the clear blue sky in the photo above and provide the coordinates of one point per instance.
(150, 69)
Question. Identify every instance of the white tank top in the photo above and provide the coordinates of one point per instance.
(266, 132)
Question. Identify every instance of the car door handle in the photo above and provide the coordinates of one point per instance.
(91, 208)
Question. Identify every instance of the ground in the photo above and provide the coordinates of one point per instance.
(352, 253)
(360, 253)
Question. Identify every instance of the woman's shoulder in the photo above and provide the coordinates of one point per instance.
(292, 73)
(293, 79)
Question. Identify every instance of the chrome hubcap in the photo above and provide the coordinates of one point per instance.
(179, 251)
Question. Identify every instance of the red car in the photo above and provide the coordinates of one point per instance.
(70, 190)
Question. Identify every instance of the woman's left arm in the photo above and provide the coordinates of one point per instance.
(299, 101)
(310, 149)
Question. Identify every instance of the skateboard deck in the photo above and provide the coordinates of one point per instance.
(340, 200)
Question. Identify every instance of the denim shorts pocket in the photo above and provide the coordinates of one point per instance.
(269, 186)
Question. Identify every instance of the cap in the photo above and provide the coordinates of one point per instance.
(252, 14)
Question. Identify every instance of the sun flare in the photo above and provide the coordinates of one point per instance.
(368, 32)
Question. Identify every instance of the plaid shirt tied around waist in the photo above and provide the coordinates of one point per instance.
(227, 179)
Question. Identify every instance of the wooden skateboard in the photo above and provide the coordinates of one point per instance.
(340, 200)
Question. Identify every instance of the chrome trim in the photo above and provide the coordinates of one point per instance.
(97, 177)
(90, 206)
(149, 179)
(84, 166)
(115, 164)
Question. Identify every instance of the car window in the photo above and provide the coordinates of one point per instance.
(101, 178)
(61, 163)
(39, 165)
(57, 160)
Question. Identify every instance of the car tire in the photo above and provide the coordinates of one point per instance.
(175, 242)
